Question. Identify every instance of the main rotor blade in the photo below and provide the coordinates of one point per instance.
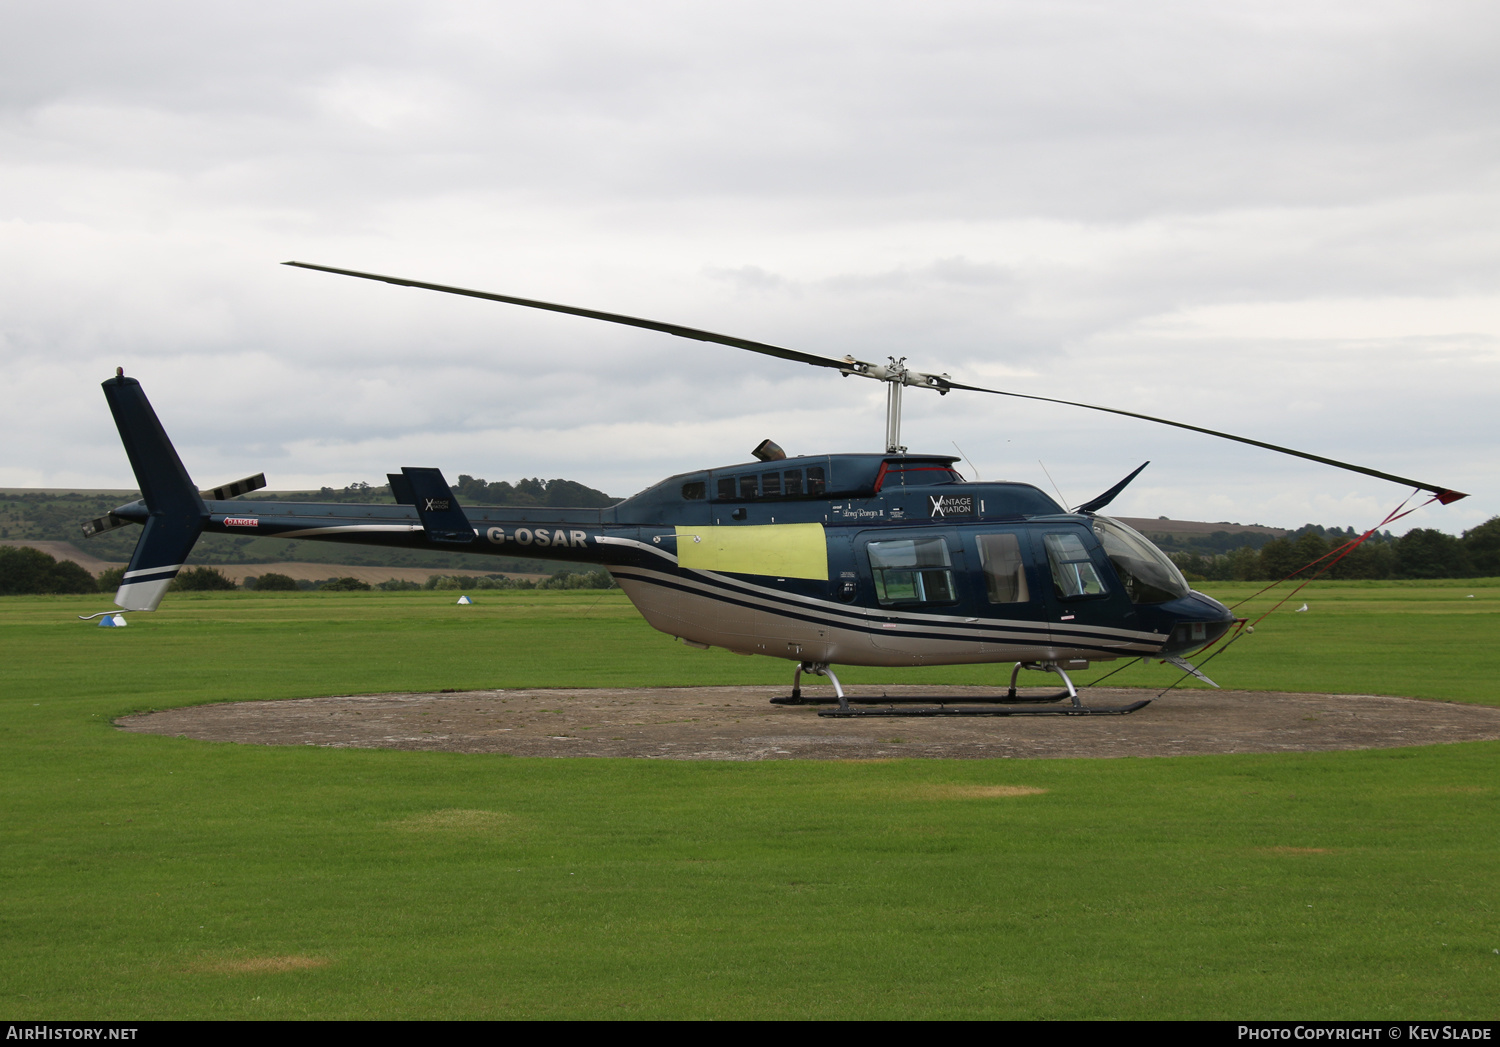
(848, 366)
(614, 318)
(1444, 495)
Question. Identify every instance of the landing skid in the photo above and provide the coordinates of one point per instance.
(988, 710)
(991, 706)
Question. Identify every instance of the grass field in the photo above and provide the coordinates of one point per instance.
(152, 877)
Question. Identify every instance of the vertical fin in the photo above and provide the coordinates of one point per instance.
(401, 489)
(438, 510)
(177, 510)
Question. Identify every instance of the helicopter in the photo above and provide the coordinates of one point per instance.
(870, 559)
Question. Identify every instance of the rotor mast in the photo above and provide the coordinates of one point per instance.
(895, 375)
(893, 443)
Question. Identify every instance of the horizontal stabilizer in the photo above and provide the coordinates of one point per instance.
(234, 490)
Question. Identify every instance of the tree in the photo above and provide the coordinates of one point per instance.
(69, 577)
(1370, 559)
(1482, 543)
(347, 584)
(1278, 559)
(27, 570)
(1194, 568)
(534, 491)
(203, 579)
(599, 579)
(1244, 564)
(1310, 548)
(271, 582)
(1425, 553)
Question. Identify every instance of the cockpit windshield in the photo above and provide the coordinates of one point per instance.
(1148, 576)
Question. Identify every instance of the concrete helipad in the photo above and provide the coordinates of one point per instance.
(739, 723)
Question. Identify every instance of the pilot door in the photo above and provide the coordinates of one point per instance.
(1085, 605)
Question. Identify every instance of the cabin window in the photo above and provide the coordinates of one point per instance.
(694, 490)
(1004, 568)
(1073, 571)
(793, 483)
(911, 571)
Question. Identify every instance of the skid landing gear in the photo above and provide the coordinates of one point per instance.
(990, 706)
(815, 669)
(1043, 667)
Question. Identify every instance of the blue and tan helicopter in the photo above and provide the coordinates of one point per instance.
(889, 559)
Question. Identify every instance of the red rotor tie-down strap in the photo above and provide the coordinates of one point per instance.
(1333, 556)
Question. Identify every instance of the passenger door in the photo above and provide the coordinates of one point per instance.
(911, 573)
(1012, 591)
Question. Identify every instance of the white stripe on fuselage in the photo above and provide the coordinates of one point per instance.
(957, 627)
(352, 529)
(843, 611)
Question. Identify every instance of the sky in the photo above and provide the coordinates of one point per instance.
(1275, 219)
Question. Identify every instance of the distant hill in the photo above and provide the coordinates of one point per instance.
(1195, 528)
(1204, 539)
(51, 520)
(66, 551)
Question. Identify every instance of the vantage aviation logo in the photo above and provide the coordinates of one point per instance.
(950, 505)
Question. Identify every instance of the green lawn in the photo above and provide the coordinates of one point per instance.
(151, 877)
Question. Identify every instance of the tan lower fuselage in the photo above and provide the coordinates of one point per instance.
(715, 611)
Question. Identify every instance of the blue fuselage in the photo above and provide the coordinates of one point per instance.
(852, 559)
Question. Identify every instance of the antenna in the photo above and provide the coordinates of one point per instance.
(966, 458)
(1060, 497)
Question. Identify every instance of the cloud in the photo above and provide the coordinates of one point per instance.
(1263, 217)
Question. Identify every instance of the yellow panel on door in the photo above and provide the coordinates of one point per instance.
(781, 550)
